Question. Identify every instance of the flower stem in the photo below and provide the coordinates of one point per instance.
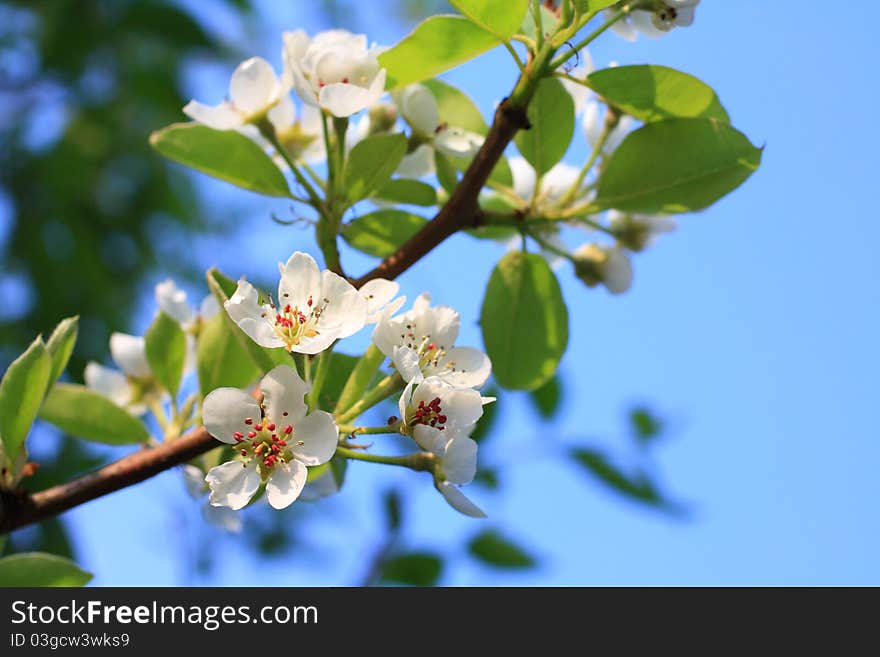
(592, 36)
(610, 123)
(349, 429)
(384, 389)
(419, 461)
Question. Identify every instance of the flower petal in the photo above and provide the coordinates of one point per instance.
(130, 353)
(194, 481)
(286, 483)
(245, 310)
(315, 344)
(377, 293)
(346, 310)
(458, 501)
(418, 164)
(284, 393)
(218, 117)
(465, 367)
(406, 361)
(456, 142)
(617, 272)
(430, 439)
(224, 412)
(318, 434)
(300, 281)
(233, 484)
(110, 383)
(222, 517)
(460, 460)
(172, 301)
(419, 108)
(341, 99)
(254, 85)
(283, 114)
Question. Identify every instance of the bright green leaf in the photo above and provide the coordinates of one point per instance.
(436, 45)
(636, 487)
(370, 164)
(524, 321)
(408, 192)
(676, 165)
(224, 154)
(494, 549)
(60, 346)
(358, 380)
(220, 358)
(380, 233)
(166, 351)
(413, 569)
(500, 17)
(549, 21)
(21, 393)
(447, 176)
(589, 6)
(654, 93)
(551, 114)
(40, 569)
(340, 369)
(86, 414)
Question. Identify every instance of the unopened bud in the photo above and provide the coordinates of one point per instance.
(383, 116)
(610, 266)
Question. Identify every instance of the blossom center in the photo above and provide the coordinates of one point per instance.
(430, 414)
(292, 324)
(265, 442)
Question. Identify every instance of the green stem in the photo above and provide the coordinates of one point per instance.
(324, 359)
(547, 246)
(607, 129)
(515, 56)
(419, 461)
(268, 132)
(350, 429)
(539, 23)
(592, 36)
(384, 389)
(331, 164)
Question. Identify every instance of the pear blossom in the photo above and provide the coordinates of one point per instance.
(253, 90)
(379, 293)
(275, 440)
(667, 15)
(173, 302)
(421, 344)
(554, 184)
(334, 70)
(636, 232)
(458, 500)
(301, 135)
(610, 266)
(418, 107)
(219, 516)
(314, 308)
(133, 385)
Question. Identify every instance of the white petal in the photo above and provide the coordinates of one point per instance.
(377, 293)
(130, 353)
(430, 439)
(464, 367)
(346, 310)
(172, 301)
(209, 307)
(685, 16)
(319, 435)
(458, 501)
(422, 303)
(523, 178)
(456, 142)
(642, 21)
(463, 407)
(194, 481)
(283, 391)
(418, 164)
(295, 45)
(592, 122)
(460, 460)
(622, 27)
(244, 309)
(218, 117)
(222, 517)
(419, 108)
(406, 361)
(346, 99)
(617, 272)
(233, 484)
(224, 412)
(110, 383)
(441, 324)
(300, 281)
(283, 115)
(315, 344)
(405, 399)
(285, 484)
(323, 486)
(254, 85)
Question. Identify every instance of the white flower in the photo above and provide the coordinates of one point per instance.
(458, 500)
(610, 266)
(579, 92)
(655, 23)
(314, 308)
(276, 440)
(379, 293)
(421, 344)
(173, 302)
(554, 184)
(133, 387)
(219, 516)
(335, 70)
(253, 90)
(639, 231)
(301, 136)
(593, 123)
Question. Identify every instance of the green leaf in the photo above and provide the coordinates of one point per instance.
(446, 173)
(165, 345)
(393, 509)
(636, 487)
(494, 549)
(86, 414)
(359, 378)
(654, 93)
(224, 154)
(524, 321)
(40, 569)
(551, 113)
(380, 233)
(407, 191)
(676, 165)
(370, 164)
(413, 569)
(500, 17)
(589, 6)
(338, 372)
(547, 398)
(220, 358)
(60, 346)
(549, 21)
(646, 426)
(21, 393)
(436, 45)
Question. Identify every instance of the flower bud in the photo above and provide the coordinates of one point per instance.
(610, 266)
(638, 231)
(383, 116)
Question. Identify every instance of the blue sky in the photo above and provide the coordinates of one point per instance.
(753, 330)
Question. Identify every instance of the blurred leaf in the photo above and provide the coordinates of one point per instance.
(498, 551)
(39, 569)
(382, 232)
(549, 21)
(371, 163)
(221, 360)
(645, 425)
(413, 569)
(524, 321)
(48, 535)
(654, 93)
(166, 351)
(407, 191)
(72, 460)
(339, 468)
(676, 165)
(551, 114)
(165, 22)
(224, 154)
(589, 6)
(500, 17)
(488, 477)
(636, 487)
(547, 398)
(446, 173)
(351, 378)
(393, 509)
(21, 393)
(86, 414)
(436, 45)
(60, 346)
